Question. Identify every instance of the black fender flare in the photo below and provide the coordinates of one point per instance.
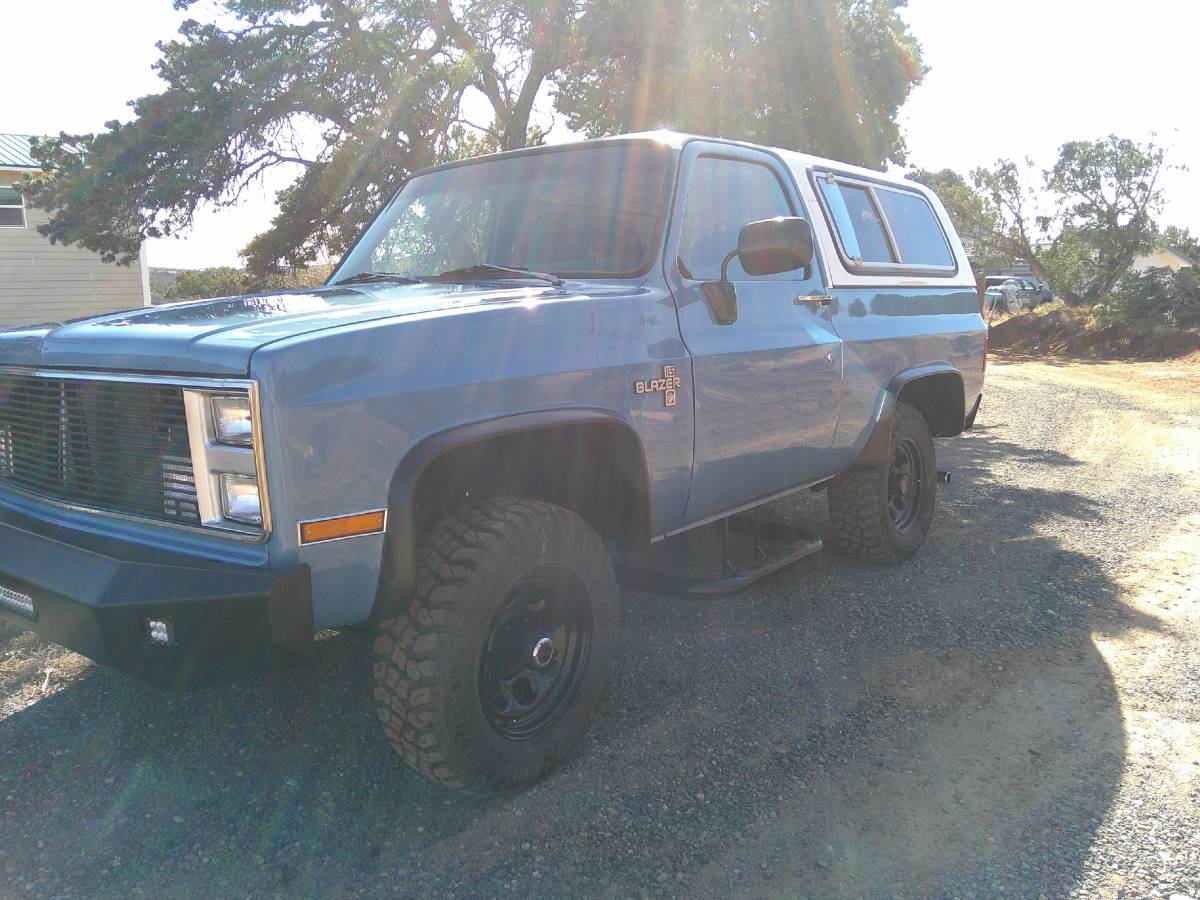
(878, 446)
(398, 566)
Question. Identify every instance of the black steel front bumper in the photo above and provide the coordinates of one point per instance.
(96, 596)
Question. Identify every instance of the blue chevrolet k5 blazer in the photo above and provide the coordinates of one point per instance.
(527, 361)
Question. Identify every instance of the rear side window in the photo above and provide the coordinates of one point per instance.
(881, 226)
(858, 223)
(918, 235)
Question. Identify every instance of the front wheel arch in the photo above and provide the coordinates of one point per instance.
(397, 569)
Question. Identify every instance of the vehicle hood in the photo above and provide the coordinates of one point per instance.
(218, 337)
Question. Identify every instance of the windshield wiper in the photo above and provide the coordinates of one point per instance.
(468, 272)
(363, 277)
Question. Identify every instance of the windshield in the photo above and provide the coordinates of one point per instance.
(586, 211)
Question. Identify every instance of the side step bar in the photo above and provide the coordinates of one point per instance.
(799, 544)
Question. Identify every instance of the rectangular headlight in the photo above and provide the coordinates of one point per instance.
(239, 499)
(231, 420)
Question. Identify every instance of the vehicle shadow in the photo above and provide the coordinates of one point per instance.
(943, 727)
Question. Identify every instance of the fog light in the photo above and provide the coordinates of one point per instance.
(159, 631)
(239, 499)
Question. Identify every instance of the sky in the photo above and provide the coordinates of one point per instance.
(1008, 78)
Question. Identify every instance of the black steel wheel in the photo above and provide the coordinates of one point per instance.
(882, 514)
(906, 481)
(500, 663)
(535, 652)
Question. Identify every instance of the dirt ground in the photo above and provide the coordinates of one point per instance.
(1071, 332)
(1015, 712)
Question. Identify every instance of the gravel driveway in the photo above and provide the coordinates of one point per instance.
(1016, 712)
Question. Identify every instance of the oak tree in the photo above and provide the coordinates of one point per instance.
(1081, 223)
(354, 95)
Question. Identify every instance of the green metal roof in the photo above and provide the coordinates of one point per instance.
(14, 152)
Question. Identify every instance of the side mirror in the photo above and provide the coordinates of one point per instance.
(775, 245)
(766, 247)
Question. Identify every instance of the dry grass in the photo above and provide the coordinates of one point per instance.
(31, 668)
(1055, 329)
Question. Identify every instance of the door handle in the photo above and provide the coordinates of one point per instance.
(819, 299)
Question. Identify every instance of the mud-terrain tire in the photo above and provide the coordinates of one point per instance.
(467, 689)
(871, 518)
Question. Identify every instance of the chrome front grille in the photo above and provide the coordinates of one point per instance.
(117, 446)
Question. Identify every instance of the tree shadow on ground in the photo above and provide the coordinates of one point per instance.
(942, 727)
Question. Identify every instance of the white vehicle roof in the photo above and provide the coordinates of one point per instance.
(841, 272)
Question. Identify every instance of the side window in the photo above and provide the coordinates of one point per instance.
(883, 226)
(723, 195)
(12, 209)
(918, 235)
(858, 222)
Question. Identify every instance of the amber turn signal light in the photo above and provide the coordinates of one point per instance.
(343, 527)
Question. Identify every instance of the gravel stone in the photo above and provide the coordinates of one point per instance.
(1015, 712)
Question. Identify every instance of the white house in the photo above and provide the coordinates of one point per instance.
(44, 282)
(1162, 258)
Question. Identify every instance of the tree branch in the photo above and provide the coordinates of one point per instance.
(483, 60)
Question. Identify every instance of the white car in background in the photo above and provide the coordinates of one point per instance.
(1004, 294)
(1012, 293)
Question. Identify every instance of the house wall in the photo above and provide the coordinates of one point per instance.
(44, 282)
(1160, 259)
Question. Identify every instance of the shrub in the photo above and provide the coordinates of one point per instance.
(226, 281)
(217, 281)
(1156, 296)
(1054, 305)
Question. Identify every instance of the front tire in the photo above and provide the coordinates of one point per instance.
(884, 513)
(499, 665)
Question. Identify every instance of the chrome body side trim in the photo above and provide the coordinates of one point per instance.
(88, 375)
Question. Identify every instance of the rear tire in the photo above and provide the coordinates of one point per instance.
(884, 513)
(499, 665)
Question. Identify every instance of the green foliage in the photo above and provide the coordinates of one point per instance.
(290, 279)
(1068, 263)
(353, 95)
(219, 281)
(975, 222)
(826, 76)
(1156, 296)
(1182, 241)
(226, 281)
(1044, 309)
(1099, 202)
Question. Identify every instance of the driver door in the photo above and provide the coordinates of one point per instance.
(766, 387)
